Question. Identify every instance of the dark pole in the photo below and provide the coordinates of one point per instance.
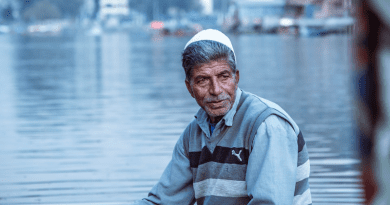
(96, 9)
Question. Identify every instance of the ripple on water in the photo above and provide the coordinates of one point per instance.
(92, 120)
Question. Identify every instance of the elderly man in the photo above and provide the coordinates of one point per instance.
(240, 148)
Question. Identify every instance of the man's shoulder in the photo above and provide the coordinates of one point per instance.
(191, 126)
(191, 129)
(256, 100)
(259, 105)
(186, 134)
(251, 103)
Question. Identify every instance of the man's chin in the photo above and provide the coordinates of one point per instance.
(217, 113)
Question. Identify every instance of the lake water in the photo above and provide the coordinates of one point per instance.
(88, 119)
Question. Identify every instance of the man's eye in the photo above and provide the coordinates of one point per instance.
(225, 76)
(201, 80)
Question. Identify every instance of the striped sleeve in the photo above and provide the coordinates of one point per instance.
(302, 193)
(175, 185)
(272, 164)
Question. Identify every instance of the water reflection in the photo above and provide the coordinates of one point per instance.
(94, 119)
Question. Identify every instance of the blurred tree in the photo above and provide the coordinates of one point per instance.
(42, 10)
(25, 4)
(6, 14)
(96, 9)
(69, 8)
(66, 8)
(146, 6)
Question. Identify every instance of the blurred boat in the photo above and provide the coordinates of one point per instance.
(95, 30)
(318, 27)
(317, 18)
(175, 28)
(5, 29)
(254, 16)
(48, 27)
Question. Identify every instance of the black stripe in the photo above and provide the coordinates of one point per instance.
(301, 142)
(194, 159)
(223, 200)
(220, 154)
(301, 186)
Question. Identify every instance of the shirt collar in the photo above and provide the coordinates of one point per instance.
(202, 116)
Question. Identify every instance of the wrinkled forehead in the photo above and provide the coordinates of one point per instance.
(213, 68)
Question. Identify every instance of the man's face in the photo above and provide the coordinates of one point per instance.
(213, 85)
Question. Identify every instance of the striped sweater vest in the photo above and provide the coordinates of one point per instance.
(219, 168)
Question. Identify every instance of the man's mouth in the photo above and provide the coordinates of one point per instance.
(216, 104)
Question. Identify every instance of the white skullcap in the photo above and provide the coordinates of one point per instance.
(213, 35)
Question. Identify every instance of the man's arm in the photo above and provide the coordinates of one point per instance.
(175, 184)
(272, 165)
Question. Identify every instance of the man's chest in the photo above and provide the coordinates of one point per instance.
(221, 171)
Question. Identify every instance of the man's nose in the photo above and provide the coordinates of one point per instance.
(215, 88)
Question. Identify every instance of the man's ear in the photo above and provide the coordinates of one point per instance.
(237, 77)
(188, 85)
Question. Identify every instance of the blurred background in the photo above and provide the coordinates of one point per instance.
(92, 93)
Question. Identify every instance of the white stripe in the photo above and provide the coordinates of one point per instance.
(303, 171)
(303, 199)
(220, 187)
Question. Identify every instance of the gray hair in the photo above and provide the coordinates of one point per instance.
(202, 52)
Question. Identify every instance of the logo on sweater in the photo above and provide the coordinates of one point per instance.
(237, 155)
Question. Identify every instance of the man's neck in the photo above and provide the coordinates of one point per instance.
(215, 120)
